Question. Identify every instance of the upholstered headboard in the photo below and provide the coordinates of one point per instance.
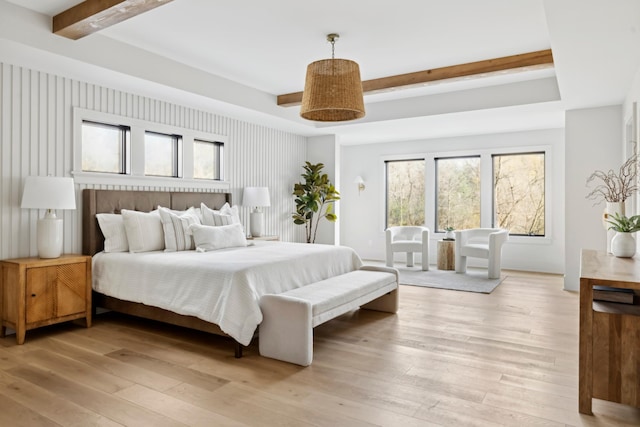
(113, 201)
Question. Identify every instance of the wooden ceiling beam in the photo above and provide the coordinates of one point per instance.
(94, 15)
(513, 63)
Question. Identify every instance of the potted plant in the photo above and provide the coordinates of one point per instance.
(448, 235)
(623, 243)
(612, 187)
(314, 200)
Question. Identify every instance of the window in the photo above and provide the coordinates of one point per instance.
(110, 149)
(457, 193)
(405, 192)
(207, 159)
(162, 154)
(105, 148)
(519, 193)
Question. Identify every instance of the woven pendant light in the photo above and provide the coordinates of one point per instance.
(332, 89)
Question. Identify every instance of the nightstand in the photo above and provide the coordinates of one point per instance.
(37, 292)
(264, 238)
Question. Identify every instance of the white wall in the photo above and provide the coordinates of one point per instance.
(593, 141)
(36, 139)
(362, 219)
(324, 149)
(631, 120)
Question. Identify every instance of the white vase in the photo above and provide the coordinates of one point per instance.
(449, 235)
(610, 209)
(623, 245)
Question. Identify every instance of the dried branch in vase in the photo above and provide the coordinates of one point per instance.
(615, 187)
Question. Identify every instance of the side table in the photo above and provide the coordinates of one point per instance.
(38, 292)
(446, 255)
(609, 362)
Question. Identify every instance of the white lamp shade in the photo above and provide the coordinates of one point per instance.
(48, 192)
(256, 196)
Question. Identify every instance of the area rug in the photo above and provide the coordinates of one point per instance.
(474, 280)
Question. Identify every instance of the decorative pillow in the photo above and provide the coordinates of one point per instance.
(144, 230)
(198, 212)
(208, 238)
(177, 236)
(220, 219)
(115, 236)
(233, 211)
(207, 214)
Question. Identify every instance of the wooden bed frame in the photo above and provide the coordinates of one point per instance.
(113, 201)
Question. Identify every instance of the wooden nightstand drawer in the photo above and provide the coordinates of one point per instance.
(38, 292)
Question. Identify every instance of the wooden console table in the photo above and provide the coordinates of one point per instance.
(609, 332)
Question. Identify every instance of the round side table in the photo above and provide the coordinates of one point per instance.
(446, 255)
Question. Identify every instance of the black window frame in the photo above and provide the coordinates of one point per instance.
(544, 186)
(218, 169)
(176, 148)
(125, 146)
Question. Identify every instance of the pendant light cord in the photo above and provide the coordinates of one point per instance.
(331, 38)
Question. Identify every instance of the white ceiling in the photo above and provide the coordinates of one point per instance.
(264, 47)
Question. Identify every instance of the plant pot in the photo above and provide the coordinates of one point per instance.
(623, 245)
(610, 209)
(448, 235)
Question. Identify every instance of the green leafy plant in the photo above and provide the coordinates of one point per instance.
(314, 200)
(448, 229)
(623, 224)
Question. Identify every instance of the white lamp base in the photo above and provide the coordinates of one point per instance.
(256, 224)
(50, 236)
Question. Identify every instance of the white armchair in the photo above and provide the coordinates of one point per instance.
(480, 243)
(408, 239)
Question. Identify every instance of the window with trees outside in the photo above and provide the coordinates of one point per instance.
(162, 154)
(457, 193)
(519, 193)
(405, 192)
(105, 147)
(207, 159)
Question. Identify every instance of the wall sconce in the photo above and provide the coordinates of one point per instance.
(360, 183)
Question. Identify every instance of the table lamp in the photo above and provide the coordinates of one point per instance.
(50, 193)
(257, 198)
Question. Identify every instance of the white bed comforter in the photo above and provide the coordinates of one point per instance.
(224, 286)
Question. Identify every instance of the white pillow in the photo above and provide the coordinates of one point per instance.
(198, 212)
(177, 236)
(144, 230)
(208, 238)
(207, 214)
(115, 236)
(233, 211)
(220, 219)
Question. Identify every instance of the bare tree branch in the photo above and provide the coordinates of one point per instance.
(614, 187)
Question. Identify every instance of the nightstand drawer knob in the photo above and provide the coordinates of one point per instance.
(33, 295)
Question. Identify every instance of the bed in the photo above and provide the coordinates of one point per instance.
(227, 283)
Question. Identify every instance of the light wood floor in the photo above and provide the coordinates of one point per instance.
(447, 358)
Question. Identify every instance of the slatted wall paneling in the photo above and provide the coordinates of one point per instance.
(36, 139)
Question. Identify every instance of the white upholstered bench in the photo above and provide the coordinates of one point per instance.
(286, 331)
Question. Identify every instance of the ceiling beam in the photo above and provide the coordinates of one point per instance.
(94, 15)
(513, 63)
